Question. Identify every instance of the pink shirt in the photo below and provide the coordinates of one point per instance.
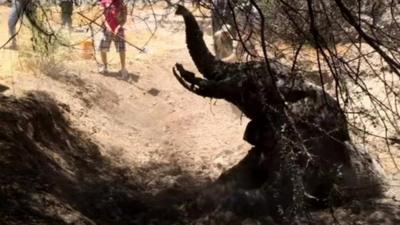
(112, 11)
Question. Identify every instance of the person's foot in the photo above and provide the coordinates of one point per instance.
(103, 69)
(124, 74)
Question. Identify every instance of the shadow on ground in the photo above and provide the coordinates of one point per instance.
(3, 88)
(131, 77)
(54, 174)
(50, 173)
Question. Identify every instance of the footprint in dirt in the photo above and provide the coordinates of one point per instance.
(153, 91)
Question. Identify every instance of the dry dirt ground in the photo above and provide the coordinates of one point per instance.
(149, 125)
(145, 119)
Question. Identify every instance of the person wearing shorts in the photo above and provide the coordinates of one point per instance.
(117, 38)
(115, 14)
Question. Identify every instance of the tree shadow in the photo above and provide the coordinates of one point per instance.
(131, 77)
(54, 174)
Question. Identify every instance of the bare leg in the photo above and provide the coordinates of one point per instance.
(70, 22)
(13, 20)
(104, 58)
(122, 58)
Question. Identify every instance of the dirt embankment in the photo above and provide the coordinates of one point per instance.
(53, 174)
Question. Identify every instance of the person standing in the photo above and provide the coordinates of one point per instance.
(115, 15)
(223, 28)
(67, 7)
(15, 15)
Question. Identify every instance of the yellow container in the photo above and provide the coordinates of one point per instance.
(87, 49)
